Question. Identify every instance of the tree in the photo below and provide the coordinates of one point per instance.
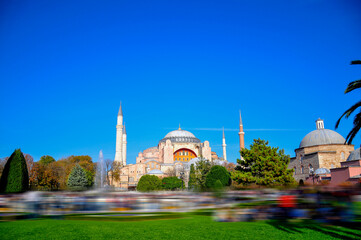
(192, 177)
(357, 119)
(218, 173)
(45, 160)
(263, 165)
(149, 183)
(2, 164)
(201, 169)
(77, 180)
(115, 173)
(15, 177)
(172, 183)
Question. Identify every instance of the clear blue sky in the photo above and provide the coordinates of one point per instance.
(65, 66)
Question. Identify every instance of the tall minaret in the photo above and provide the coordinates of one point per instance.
(224, 147)
(241, 133)
(124, 146)
(119, 140)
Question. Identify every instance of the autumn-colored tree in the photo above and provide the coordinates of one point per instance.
(115, 172)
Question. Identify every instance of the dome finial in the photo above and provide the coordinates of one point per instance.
(319, 124)
(179, 127)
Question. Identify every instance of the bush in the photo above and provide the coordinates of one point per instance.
(218, 173)
(172, 183)
(77, 180)
(149, 183)
(15, 176)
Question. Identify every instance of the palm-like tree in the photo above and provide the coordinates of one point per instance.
(357, 120)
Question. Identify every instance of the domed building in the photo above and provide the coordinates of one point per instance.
(168, 158)
(321, 148)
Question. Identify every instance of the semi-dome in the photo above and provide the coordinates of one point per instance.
(321, 136)
(321, 171)
(354, 155)
(180, 135)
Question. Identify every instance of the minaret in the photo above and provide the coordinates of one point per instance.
(124, 146)
(224, 147)
(119, 140)
(241, 133)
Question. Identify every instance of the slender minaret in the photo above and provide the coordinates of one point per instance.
(119, 140)
(241, 133)
(224, 147)
(124, 146)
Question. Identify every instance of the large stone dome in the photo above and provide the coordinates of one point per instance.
(321, 136)
(180, 135)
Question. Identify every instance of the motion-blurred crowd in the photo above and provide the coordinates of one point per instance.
(326, 205)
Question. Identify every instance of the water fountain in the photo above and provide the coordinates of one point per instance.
(100, 174)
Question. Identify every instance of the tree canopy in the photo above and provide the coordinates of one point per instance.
(15, 176)
(77, 180)
(218, 173)
(45, 160)
(357, 119)
(149, 183)
(172, 183)
(197, 176)
(263, 165)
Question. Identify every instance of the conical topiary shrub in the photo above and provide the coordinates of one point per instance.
(15, 176)
(77, 180)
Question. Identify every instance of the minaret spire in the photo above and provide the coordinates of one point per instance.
(224, 147)
(120, 113)
(119, 137)
(241, 133)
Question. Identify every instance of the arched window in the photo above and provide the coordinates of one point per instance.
(302, 170)
(342, 155)
(294, 172)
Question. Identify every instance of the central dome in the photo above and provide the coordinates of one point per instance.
(180, 136)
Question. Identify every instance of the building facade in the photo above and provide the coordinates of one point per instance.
(321, 148)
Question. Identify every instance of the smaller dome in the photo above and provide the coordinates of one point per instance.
(321, 171)
(155, 172)
(354, 155)
(321, 137)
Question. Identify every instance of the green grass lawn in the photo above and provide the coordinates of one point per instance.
(189, 227)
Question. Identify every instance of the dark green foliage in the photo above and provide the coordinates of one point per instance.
(263, 165)
(149, 183)
(45, 160)
(77, 180)
(15, 176)
(218, 173)
(172, 183)
(357, 119)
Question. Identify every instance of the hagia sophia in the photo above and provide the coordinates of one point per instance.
(173, 154)
(321, 155)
